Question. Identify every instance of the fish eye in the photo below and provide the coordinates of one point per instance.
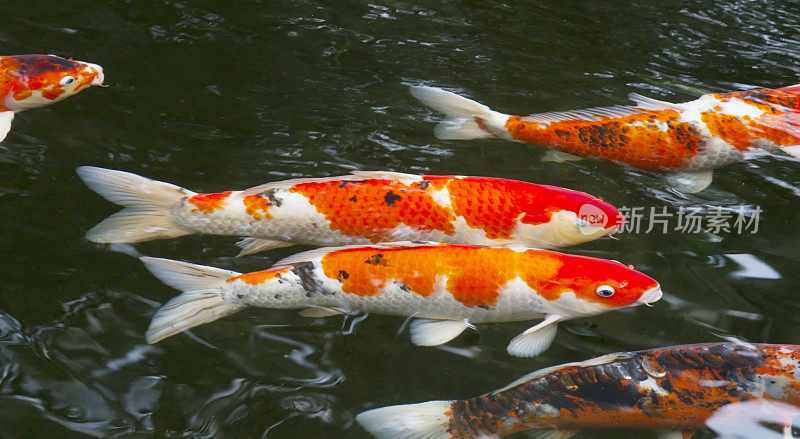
(605, 291)
(67, 80)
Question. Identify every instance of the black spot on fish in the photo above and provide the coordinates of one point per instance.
(278, 296)
(34, 65)
(270, 195)
(240, 296)
(486, 307)
(376, 259)
(305, 271)
(424, 184)
(391, 197)
(342, 275)
(353, 198)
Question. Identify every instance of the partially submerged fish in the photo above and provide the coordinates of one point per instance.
(361, 208)
(31, 81)
(444, 287)
(673, 389)
(688, 140)
(756, 418)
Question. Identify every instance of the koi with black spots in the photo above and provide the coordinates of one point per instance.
(686, 140)
(361, 208)
(672, 389)
(31, 81)
(444, 287)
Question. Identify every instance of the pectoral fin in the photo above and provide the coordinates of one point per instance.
(535, 340)
(551, 155)
(321, 312)
(5, 123)
(690, 182)
(255, 245)
(432, 332)
(551, 433)
(792, 150)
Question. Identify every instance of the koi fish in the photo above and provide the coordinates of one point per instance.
(674, 389)
(754, 419)
(361, 208)
(688, 140)
(444, 287)
(31, 81)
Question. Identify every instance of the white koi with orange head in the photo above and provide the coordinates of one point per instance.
(362, 208)
(444, 287)
(32, 81)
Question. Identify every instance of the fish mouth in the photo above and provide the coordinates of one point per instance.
(98, 72)
(650, 296)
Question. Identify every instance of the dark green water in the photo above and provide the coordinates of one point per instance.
(216, 95)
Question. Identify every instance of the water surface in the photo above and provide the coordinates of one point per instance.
(216, 95)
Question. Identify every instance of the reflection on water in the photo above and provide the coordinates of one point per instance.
(215, 95)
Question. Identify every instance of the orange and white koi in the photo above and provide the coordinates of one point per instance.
(688, 140)
(361, 208)
(673, 389)
(31, 81)
(444, 287)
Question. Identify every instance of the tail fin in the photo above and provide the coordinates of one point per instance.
(201, 302)
(466, 119)
(427, 420)
(147, 203)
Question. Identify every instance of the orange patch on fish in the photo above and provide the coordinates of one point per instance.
(22, 94)
(208, 203)
(782, 129)
(470, 201)
(475, 275)
(257, 206)
(773, 101)
(728, 128)
(389, 204)
(259, 277)
(52, 93)
(511, 201)
(781, 121)
(637, 139)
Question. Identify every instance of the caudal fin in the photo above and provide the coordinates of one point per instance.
(427, 420)
(200, 303)
(147, 206)
(466, 119)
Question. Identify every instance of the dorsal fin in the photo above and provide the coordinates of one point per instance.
(389, 175)
(596, 113)
(651, 104)
(605, 359)
(319, 252)
(353, 176)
